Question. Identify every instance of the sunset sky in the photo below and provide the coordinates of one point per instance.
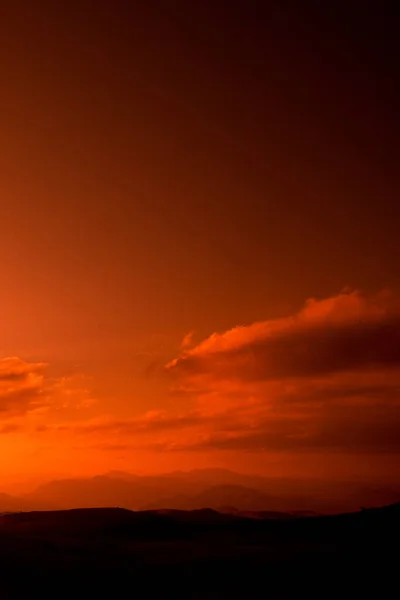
(199, 238)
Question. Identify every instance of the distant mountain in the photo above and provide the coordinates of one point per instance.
(122, 475)
(244, 498)
(215, 477)
(101, 491)
(217, 497)
(206, 488)
(114, 489)
(14, 504)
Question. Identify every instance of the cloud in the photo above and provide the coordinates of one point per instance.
(187, 340)
(22, 386)
(343, 333)
(25, 388)
(345, 429)
(9, 428)
(326, 378)
(149, 423)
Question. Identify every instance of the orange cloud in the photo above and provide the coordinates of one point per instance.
(25, 388)
(9, 428)
(325, 380)
(342, 333)
(326, 377)
(22, 386)
(187, 340)
(153, 421)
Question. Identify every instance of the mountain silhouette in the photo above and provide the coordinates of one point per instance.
(198, 554)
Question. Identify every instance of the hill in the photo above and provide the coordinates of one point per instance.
(200, 554)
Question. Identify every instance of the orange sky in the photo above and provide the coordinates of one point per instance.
(171, 173)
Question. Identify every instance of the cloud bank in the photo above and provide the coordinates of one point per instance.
(323, 380)
(344, 333)
(326, 378)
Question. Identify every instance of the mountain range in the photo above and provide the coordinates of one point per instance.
(217, 489)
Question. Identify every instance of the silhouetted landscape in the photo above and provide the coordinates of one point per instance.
(197, 554)
(208, 533)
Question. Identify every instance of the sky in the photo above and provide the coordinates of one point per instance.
(199, 238)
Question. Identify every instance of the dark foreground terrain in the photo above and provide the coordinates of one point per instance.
(116, 553)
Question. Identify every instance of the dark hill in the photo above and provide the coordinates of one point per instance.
(201, 554)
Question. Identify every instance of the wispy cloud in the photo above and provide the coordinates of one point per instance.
(187, 340)
(25, 388)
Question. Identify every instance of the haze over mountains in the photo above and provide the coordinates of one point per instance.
(217, 489)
